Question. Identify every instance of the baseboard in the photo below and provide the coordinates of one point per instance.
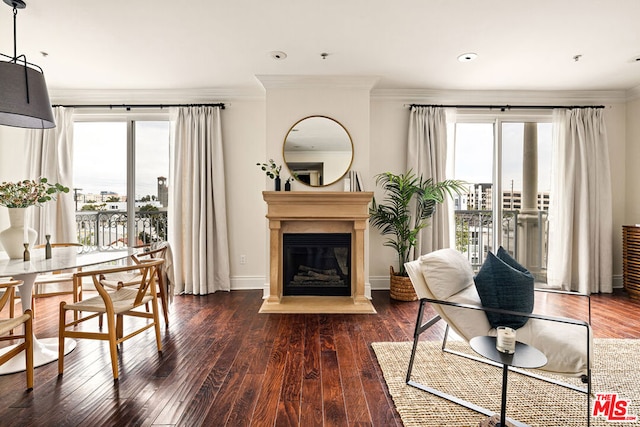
(243, 283)
(617, 281)
(379, 283)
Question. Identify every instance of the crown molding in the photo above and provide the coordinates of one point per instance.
(410, 96)
(281, 81)
(152, 96)
(633, 93)
(429, 96)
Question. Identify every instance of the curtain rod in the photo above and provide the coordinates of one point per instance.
(128, 107)
(508, 107)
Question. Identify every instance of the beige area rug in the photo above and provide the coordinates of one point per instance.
(534, 402)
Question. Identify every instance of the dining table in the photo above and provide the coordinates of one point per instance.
(45, 350)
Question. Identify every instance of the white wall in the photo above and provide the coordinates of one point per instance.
(243, 132)
(631, 163)
(615, 118)
(12, 161)
(291, 98)
(389, 130)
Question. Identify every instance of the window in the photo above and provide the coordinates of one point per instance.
(507, 165)
(120, 183)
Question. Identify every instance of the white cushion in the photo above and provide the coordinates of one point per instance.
(447, 272)
(417, 280)
(467, 323)
(564, 344)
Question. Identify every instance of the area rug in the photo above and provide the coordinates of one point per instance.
(534, 402)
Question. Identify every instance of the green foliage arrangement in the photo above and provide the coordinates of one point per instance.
(29, 192)
(271, 169)
(409, 202)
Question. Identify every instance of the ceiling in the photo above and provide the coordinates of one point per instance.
(408, 44)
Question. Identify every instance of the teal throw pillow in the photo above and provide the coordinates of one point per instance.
(504, 256)
(505, 284)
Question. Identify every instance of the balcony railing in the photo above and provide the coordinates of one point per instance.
(474, 236)
(105, 230)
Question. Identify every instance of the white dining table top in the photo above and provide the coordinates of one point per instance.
(61, 259)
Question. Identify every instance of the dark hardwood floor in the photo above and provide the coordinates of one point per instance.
(225, 364)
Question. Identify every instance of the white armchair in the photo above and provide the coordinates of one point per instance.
(444, 279)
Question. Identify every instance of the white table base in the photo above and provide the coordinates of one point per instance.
(45, 350)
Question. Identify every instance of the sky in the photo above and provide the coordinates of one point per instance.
(100, 162)
(474, 154)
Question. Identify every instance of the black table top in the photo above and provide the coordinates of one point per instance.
(525, 356)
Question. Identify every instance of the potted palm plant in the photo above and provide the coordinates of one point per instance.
(409, 202)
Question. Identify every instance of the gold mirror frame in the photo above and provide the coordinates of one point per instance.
(318, 151)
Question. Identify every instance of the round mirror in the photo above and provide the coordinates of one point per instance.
(318, 151)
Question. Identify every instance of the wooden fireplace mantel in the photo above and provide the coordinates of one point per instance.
(317, 212)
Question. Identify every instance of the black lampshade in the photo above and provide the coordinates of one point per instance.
(24, 100)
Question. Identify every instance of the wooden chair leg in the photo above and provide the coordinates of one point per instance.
(164, 310)
(119, 326)
(33, 300)
(12, 304)
(156, 320)
(163, 299)
(113, 348)
(77, 295)
(28, 340)
(61, 331)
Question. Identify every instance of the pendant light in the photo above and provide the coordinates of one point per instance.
(24, 100)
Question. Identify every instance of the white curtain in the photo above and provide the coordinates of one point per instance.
(197, 218)
(50, 155)
(427, 156)
(580, 211)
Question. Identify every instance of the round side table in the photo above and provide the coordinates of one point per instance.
(525, 356)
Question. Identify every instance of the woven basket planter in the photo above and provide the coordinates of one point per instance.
(400, 287)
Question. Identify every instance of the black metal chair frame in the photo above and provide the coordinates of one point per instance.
(421, 327)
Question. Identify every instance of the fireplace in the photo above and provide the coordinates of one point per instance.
(317, 264)
(322, 234)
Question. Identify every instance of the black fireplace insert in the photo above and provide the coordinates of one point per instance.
(317, 264)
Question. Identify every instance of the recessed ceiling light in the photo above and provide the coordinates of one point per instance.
(467, 57)
(278, 55)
